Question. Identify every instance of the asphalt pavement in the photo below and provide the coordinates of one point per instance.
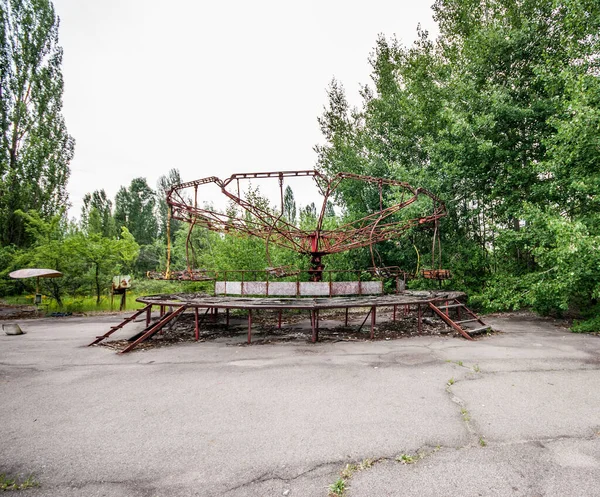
(512, 414)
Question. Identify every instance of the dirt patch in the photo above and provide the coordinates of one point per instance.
(10, 312)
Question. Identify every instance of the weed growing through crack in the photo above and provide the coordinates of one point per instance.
(482, 442)
(348, 471)
(476, 368)
(405, 459)
(337, 489)
(8, 483)
(450, 382)
(465, 414)
(366, 464)
(460, 363)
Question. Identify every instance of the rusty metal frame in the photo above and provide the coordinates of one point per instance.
(373, 228)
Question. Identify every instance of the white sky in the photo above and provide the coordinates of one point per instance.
(211, 88)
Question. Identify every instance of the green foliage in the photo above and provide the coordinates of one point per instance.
(106, 257)
(96, 214)
(54, 246)
(591, 325)
(163, 186)
(35, 148)
(338, 489)
(86, 260)
(135, 209)
(500, 118)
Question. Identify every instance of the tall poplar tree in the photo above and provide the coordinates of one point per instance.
(35, 147)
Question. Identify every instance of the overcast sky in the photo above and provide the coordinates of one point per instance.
(211, 88)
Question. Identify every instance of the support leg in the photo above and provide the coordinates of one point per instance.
(197, 327)
(373, 320)
(346, 321)
(249, 325)
(279, 321)
(394, 315)
(148, 316)
(419, 319)
(313, 325)
(227, 318)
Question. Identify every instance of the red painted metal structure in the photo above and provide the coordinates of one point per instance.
(382, 224)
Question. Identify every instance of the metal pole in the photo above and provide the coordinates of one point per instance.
(373, 320)
(148, 316)
(419, 319)
(346, 321)
(227, 317)
(279, 323)
(249, 325)
(312, 323)
(196, 323)
(394, 316)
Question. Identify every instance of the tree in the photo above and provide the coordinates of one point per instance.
(35, 147)
(106, 256)
(134, 209)
(53, 246)
(163, 186)
(96, 214)
(499, 117)
(289, 205)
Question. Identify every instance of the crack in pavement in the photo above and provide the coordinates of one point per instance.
(268, 476)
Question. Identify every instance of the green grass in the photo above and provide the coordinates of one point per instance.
(87, 303)
(77, 304)
(9, 483)
(405, 459)
(337, 489)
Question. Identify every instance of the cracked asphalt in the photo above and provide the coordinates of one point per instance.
(513, 414)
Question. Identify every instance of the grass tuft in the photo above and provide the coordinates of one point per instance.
(8, 483)
(337, 489)
(405, 459)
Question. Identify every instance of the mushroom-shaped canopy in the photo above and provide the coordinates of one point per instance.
(35, 273)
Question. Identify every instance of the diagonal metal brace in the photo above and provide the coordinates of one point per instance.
(156, 328)
(119, 326)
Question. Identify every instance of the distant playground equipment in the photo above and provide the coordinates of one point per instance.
(37, 274)
(120, 285)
